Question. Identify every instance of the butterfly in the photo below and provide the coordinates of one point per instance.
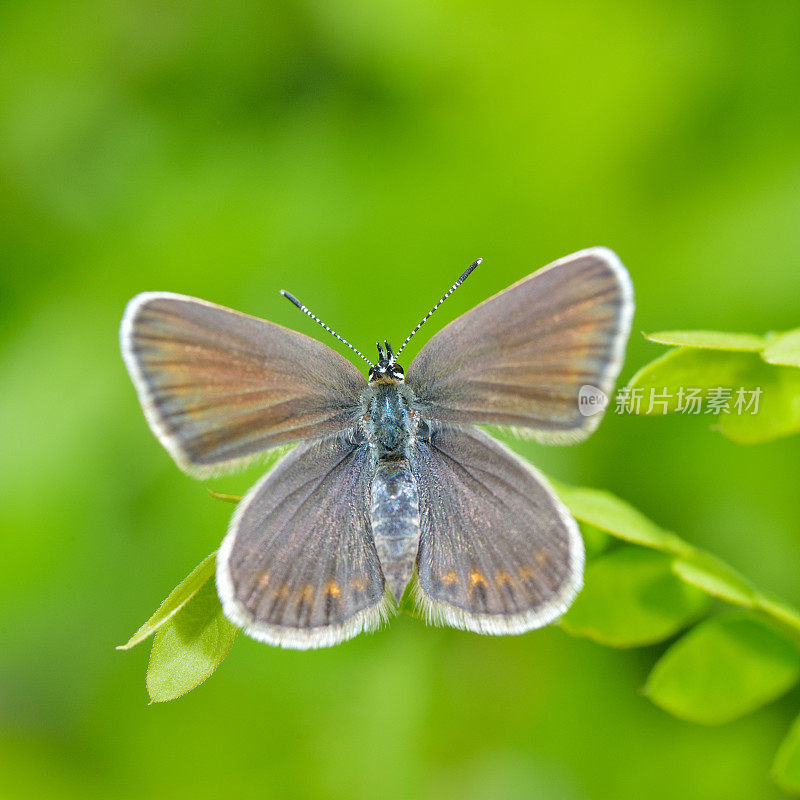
(390, 484)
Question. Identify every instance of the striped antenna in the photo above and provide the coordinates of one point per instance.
(444, 297)
(292, 299)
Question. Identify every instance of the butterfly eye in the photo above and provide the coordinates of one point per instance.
(396, 371)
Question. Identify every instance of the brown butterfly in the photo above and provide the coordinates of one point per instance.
(390, 482)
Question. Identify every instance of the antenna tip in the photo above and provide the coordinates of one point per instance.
(291, 298)
(478, 261)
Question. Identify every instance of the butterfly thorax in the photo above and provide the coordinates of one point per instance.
(390, 421)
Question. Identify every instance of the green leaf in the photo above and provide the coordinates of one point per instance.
(711, 340)
(690, 368)
(599, 511)
(786, 767)
(609, 513)
(189, 647)
(784, 348)
(779, 408)
(778, 609)
(670, 377)
(224, 496)
(631, 597)
(711, 575)
(175, 601)
(724, 668)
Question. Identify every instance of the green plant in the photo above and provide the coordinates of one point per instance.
(710, 360)
(643, 585)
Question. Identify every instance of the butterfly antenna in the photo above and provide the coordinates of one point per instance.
(292, 299)
(444, 297)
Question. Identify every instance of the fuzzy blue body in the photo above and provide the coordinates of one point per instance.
(391, 429)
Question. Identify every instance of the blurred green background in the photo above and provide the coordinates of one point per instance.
(361, 154)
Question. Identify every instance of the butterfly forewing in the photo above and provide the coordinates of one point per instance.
(218, 387)
(498, 552)
(521, 357)
(298, 567)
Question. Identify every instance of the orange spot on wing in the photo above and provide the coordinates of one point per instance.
(476, 577)
(333, 589)
(449, 578)
(503, 577)
(525, 573)
(264, 579)
(542, 556)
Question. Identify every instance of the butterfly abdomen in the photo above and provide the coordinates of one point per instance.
(394, 510)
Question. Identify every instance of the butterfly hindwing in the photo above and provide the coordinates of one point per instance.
(498, 551)
(298, 567)
(219, 387)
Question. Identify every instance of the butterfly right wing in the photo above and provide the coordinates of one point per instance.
(218, 387)
(499, 553)
(298, 567)
(521, 357)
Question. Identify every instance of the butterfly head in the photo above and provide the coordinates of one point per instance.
(386, 370)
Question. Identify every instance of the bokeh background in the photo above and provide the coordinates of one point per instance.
(361, 154)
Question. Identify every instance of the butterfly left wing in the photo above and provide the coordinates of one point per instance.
(298, 567)
(219, 387)
(499, 553)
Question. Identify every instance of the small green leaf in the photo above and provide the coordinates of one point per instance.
(778, 609)
(175, 601)
(710, 340)
(609, 513)
(631, 597)
(779, 408)
(784, 348)
(715, 577)
(190, 646)
(786, 767)
(689, 368)
(599, 511)
(724, 668)
(224, 496)
(665, 384)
